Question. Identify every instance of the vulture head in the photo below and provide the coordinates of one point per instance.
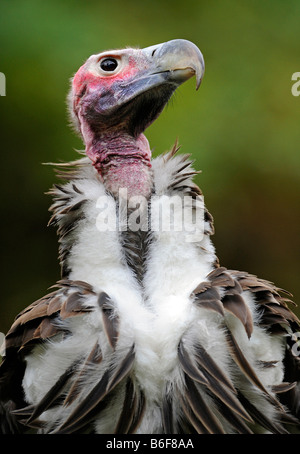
(117, 94)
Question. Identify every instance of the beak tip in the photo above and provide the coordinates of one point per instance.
(198, 83)
(199, 77)
(177, 55)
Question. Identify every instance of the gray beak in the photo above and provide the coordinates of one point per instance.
(180, 58)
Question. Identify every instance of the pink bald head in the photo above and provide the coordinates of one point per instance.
(92, 84)
(115, 95)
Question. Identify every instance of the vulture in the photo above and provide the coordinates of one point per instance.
(145, 332)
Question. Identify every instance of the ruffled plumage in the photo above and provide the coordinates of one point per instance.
(218, 379)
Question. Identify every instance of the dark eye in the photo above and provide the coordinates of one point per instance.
(109, 64)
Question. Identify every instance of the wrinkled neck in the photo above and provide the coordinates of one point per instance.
(123, 162)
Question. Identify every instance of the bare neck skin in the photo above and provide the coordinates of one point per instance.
(122, 161)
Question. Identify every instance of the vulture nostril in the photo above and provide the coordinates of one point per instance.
(153, 52)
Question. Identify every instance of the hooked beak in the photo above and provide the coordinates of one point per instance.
(178, 59)
(135, 102)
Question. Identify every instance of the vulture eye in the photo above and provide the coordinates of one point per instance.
(109, 64)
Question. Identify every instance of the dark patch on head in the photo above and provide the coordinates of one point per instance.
(134, 116)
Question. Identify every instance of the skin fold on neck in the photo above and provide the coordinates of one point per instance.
(123, 162)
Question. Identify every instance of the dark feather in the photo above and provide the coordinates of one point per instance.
(205, 361)
(242, 362)
(283, 387)
(200, 409)
(267, 364)
(177, 181)
(37, 321)
(9, 423)
(77, 206)
(191, 423)
(269, 319)
(73, 305)
(291, 398)
(83, 287)
(139, 412)
(53, 393)
(213, 305)
(220, 278)
(95, 357)
(54, 305)
(33, 325)
(45, 330)
(75, 188)
(135, 243)
(210, 294)
(261, 418)
(170, 154)
(284, 312)
(189, 367)
(184, 166)
(25, 411)
(128, 411)
(265, 297)
(208, 298)
(167, 414)
(35, 311)
(94, 402)
(181, 178)
(209, 374)
(110, 319)
(235, 289)
(121, 370)
(227, 397)
(238, 424)
(235, 304)
(36, 424)
(202, 287)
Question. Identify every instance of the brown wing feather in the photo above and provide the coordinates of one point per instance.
(133, 409)
(200, 409)
(95, 357)
(223, 292)
(110, 319)
(36, 321)
(189, 367)
(35, 324)
(98, 398)
(128, 410)
(139, 412)
(242, 362)
(52, 394)
(261, 418)
(205, 361)
(237, 306)
(208, 295)
(199, 364)
(278, 319)
(87, 409)
(167, 414)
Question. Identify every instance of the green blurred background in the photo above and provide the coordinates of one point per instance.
(242, 127)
